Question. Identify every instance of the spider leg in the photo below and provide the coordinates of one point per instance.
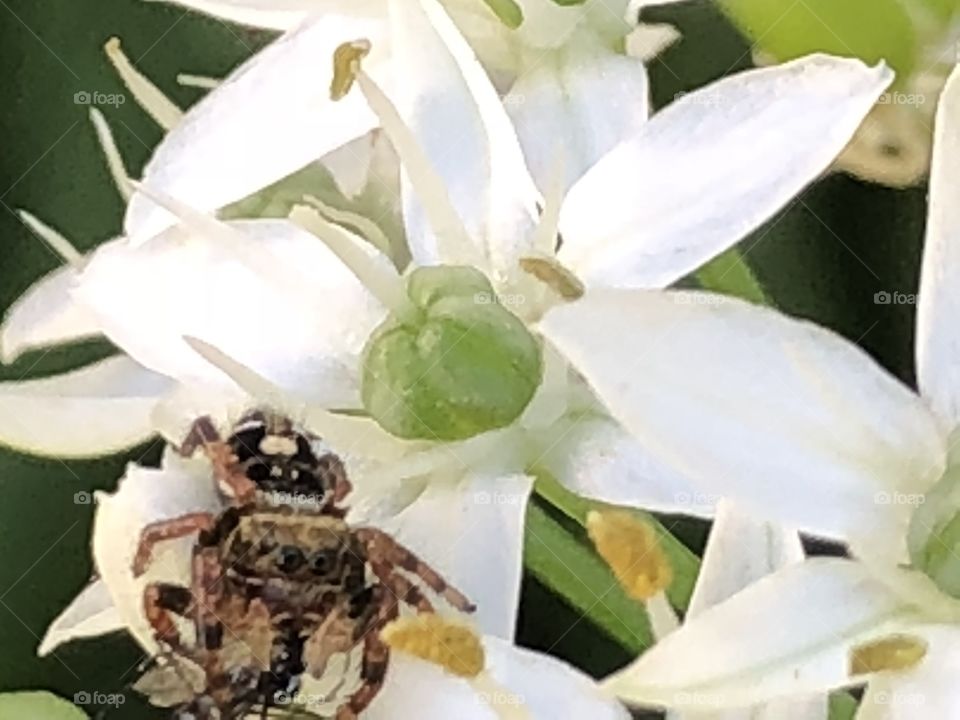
(376, 658)
(160, 601)
(202, 433)
(403, 590)
(170, 529)
(381, 548)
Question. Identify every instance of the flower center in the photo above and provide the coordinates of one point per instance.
(459, 365)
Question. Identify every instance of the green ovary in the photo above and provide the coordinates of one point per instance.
(459, 365)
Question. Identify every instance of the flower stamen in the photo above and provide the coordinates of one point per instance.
(452, 645)
(632, 550)
(452, 236)
(108, 145)
(148, 96)
(54, 240)
(892, 653)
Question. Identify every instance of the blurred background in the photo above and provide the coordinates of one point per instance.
(825, 257)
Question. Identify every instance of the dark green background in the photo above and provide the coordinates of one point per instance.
(840, 243)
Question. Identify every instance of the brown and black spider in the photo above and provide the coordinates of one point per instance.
(277, 588)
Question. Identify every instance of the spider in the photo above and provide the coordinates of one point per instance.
(277, 589)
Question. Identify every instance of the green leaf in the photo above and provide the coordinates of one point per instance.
(37, 706)
(729, 273)
(872, 30)
(686, 565)
(842, 706)
(508, 11)
(568, 567)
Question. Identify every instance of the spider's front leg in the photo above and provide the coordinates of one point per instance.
(160, 602)
(226, 470)
(170, 529)
(385, 553)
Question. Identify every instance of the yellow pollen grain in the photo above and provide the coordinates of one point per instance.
(631, 549)
(346, 67)
(896, 652)
(450, 644)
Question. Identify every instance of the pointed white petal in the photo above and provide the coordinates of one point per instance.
(266, 293)
(577, 105)
(268, 119)
(597, 458)
(785, 417)
(146, 495)
(270, 14)
(712, 167)
(90, 614)
(452, 525)
(46, 314)
(788, 635)
(100, 409)
(741, 550)
(938, 340)
(456, 114)
(518, 684)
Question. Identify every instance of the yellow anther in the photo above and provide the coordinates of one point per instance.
(895, 652)
(450, 644)
(555, 276)
(346, 66)
(632, 550)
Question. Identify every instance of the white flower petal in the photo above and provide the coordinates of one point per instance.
(471, 531)
(268, 294)
(456, 114)
(741, 550)
(271, 14)
(779, 415)
(549, 24)
(531, 685)
(938, 340)
(577, 106)
(91, 613)
(712, 167)
(46, 314)
(596, 458)
(268, 119)
(97, 410)
(788, 635)
(146, 495)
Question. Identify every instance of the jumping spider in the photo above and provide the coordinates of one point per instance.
(278, 589)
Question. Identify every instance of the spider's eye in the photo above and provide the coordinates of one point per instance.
(290, 558)
(322, 563)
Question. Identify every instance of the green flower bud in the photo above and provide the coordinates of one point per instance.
(458, 365)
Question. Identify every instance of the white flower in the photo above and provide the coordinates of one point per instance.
(287, 318)
(800, 425)
(563, 71)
